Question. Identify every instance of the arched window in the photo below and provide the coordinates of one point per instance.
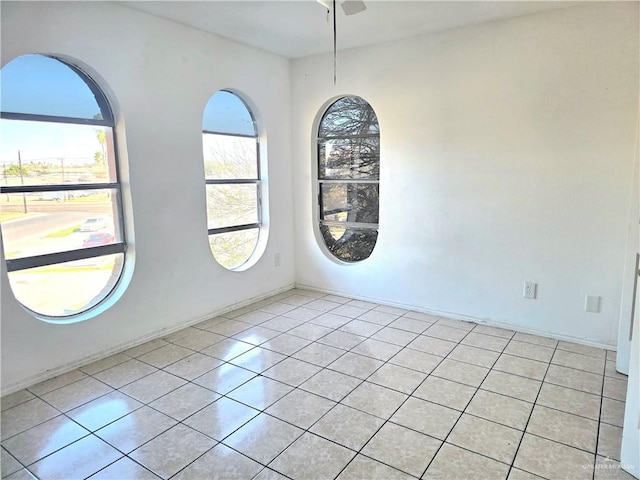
(232, 177)
(60, 206)
(349, 178)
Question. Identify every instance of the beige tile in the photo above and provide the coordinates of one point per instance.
(426, 417)
(474, 355)
(220, 463)
(185, 332)
(609, 469)
(350, 311)
(365, 468)
(582, 349)
(535, 339)
(322, 305)
(296, 300)
(578, 361)
(22, 474)
(553, 460)
(445, 333)
(104, 410)
(310, 331)
(330, 384)
(282, 324)
(263, 438)
(433, 346)
(378, 317)
(563, 427)
(268, 474)
(44, 439)
(362, 304)
(286, 344)
(610, 370)
(424, 317)
(577, 379)
(341, 340)
(292, 371)
(153, 386)
(394, 336)
(612, 412)
(260, 392)
(224, 378)
(24, 416)
(227, 328)
(614, 388)
(500, 409)
(124, 469)
(256, 335)
(454, 463)
(105, 363)
(330, 320)
(237, 312)
(347, 426)
(521, 366)
(185, 401)
(450, 322)
(376, 400)
(529, 350)
(495, 331)
(57, 382)
(277, 308)
(193, 366)
(410, 324)
(312, 457)
(486, 438)
(416, 360)
(221, 418)
(254, 318)
(302, 314)
(8, 464)
(14, 399)
(609, 441)
(466, 373)
(611, 355)
(173, 450)
(488, 342)
(570, 400)
(78, 460)
(516, 474)
(512, 385)
(76, 394)
(319, 354)
(356, 365)
(300, 408)
(391, 310)
(134, 429)
(398, 378)
(445, 392)
(377, 349)
(402, 448)
(146, 347)
(227, 349)
(125, 373)
(199, 340)
(338, 299)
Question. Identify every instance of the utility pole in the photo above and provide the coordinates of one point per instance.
(24, 196)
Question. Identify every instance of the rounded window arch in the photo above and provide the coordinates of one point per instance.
(349, 178)
(60, 197)
(231, 153)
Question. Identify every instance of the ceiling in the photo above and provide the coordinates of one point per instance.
(300, 28)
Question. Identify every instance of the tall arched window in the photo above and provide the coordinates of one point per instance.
(349, 178)
(232, 176)
(60, 205)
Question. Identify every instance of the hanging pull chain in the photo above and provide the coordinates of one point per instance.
(334, 42)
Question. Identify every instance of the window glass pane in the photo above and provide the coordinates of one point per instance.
(350, 158)
(228, 157)
(49, 222)
(349, 244)
(347, 117)
(234, 248)
(226, 113)
(229, 205)
(350, 202)
(40, 85)
(55, 153)
(67, 288)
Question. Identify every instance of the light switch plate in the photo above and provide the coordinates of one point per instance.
(592, 304)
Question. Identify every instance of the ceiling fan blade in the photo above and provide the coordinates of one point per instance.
(351, 7)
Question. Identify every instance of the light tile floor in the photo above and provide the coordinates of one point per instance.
(311, 386)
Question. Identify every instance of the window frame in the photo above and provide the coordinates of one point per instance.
(240, 181)
(35, 261)
(320, 181)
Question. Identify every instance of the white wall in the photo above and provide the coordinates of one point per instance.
(507, 153)
(160, 75)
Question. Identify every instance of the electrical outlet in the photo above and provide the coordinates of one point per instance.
(276, 260)
(530, 289)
